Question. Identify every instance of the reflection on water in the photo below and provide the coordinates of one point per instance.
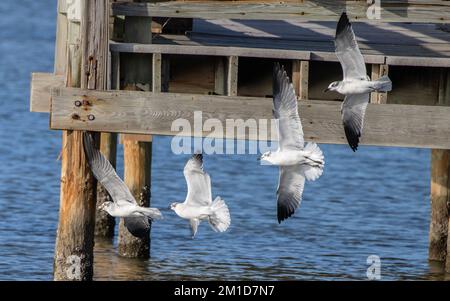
(375, 201)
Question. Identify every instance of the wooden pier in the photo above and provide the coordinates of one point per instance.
(133, 67)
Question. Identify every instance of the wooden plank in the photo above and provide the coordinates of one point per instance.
(300, 78)
(61, 40)
(148, 113)
(232, 75)
(156, 72)
(394, 11)
(209, 50)
(418, 61)
(41, 86)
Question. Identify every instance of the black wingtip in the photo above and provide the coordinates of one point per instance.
(283, 213)
(352, 138)
(343, 23)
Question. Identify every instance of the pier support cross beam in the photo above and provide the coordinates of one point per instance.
(440, 188)
(74, 247)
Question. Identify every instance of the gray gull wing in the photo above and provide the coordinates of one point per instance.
(105, 173)
(198, 182)
(290, 190)
(285, 110)
(347, 51)
(353, 110)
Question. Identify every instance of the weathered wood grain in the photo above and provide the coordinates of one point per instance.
(148, 113)
(418, 61)
(96, 73)
(41, 86)
(208, 50)
(393, 11)
(440, 187)
(232, 75)
(300, 78)
(74, 246)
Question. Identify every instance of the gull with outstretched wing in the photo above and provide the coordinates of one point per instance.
(356, 84)
(198, 205)
(297, 162)
(136, 218)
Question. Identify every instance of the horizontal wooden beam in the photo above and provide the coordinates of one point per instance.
(153, 113)
(391, 10)
(209, 50)
(41, 86)
(272, 53)
(418, 61)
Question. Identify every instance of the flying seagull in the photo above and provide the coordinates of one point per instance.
(356, 85)
(297, 162)
(198, 205)
(136, 218)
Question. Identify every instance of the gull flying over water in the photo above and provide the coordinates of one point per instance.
(136, 218)
(356, 85)
(297, 162)
(198, 205)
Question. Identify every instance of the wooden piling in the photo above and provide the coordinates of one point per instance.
(137, 74)
(440, 188)
(75, 237)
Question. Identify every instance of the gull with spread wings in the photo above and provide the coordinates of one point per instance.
(136, 218)
(297, 162)
(356, 85)
(198, 205)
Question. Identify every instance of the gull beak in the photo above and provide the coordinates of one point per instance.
(170, 207)
(326, 90)
(258, 159)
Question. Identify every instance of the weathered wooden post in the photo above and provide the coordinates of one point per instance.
(300, 78)
(136, 72)
(440, 188)
(75, 237)
(87, 60)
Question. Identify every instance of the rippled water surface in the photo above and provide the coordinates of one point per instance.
(375, 201)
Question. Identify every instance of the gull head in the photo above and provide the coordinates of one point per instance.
(332, 87)
(105, 206)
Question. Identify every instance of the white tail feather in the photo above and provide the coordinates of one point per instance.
(220, 218)
(313, 170)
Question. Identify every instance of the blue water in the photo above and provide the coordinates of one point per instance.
(375, 201)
